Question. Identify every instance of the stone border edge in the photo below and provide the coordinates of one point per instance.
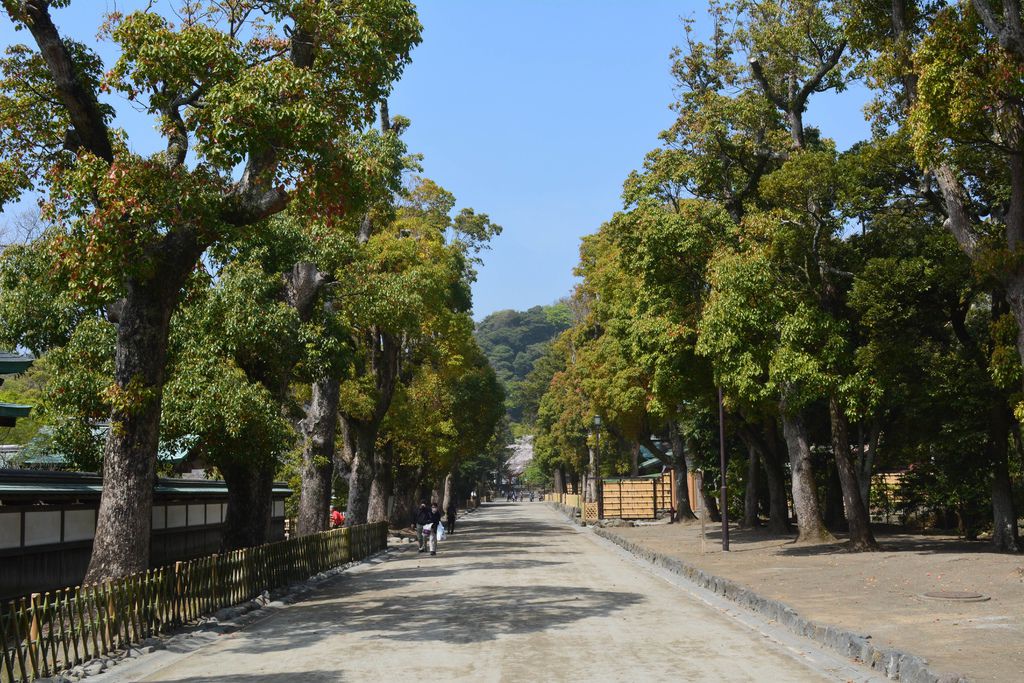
(893, 663)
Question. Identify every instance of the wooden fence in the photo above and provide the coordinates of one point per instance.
(569, 499)
(638, 497)
(44, 634)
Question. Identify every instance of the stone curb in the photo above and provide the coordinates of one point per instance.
(895, 664)
(209, 628)
(568, 512)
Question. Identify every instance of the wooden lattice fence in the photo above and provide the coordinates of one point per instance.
(44, 634)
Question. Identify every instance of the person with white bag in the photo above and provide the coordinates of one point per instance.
(427, 523)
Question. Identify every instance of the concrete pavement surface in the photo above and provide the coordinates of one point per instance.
(517, 594)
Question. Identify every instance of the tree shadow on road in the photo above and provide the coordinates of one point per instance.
(305, 677)
(475, 615)
(400, 575)
(483, 549)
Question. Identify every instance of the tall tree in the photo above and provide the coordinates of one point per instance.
(274, 88)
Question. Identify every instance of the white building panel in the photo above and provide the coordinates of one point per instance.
(10, 530)
(196, 514)
(79, 525)
(159, 517)
(42, 528)
(175, 516)
(213, 513)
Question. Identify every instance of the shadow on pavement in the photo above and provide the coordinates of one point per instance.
(378, 604)
(479, 614)
(889, 541)
(305, 676)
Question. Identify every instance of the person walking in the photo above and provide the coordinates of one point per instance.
(435, 521)
(421, 522)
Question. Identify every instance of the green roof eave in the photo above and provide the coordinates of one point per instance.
(14, 364)
(37, 483)
(188, 486)
(14, 410)
(44, 488)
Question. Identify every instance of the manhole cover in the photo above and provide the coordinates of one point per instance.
(956, 596)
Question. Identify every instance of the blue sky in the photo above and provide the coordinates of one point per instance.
(534, 111)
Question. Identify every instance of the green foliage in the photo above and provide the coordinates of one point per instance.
(25, 389)
(753, 255)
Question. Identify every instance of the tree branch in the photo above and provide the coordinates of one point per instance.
(762, 80)
(958, 221)
(254, 198)
(82, 106)
(177, 139)
(302, 285)
(814, 81)
(1010, 34)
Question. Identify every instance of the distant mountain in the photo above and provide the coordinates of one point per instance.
(514, 340)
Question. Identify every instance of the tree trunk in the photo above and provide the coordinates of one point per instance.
(684, 509)
(750, 520)
(405, 496)
(121, 543)
(319, 430)
(810, 527)
(448, 498)
(866, 464)
(835, 516)
(1015, 283)
(360, 437)
(591, 492)
(1005, 536)
(857, 517)
(383, 351)
(771, 457)
(710, 505)
(249, 503)
(634, 455)
(559, 481)
(383, 485)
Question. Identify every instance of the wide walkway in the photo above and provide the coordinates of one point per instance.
(516, 594)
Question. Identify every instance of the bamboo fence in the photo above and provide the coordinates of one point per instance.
(639, 497)
(45, 634)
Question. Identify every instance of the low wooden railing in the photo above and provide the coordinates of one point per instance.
(47, 633)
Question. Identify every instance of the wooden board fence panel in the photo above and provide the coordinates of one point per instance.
(41, 635)
(639, 497)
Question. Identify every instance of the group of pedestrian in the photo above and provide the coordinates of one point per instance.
(427, 522)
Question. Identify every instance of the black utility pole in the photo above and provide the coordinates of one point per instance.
(723, 463)
(597, 467)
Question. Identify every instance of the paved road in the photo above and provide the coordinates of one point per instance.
(516, 595)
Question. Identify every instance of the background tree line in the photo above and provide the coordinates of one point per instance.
(278, 291)
(860, 309)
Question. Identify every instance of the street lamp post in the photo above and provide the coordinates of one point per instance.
(723, 494)
(597, 466)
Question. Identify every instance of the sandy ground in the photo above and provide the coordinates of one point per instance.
(517, 594)
(879, 593)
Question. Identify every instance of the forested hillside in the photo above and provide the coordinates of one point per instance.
(514, 340)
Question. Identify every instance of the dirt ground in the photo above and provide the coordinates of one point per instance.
(880, 593)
